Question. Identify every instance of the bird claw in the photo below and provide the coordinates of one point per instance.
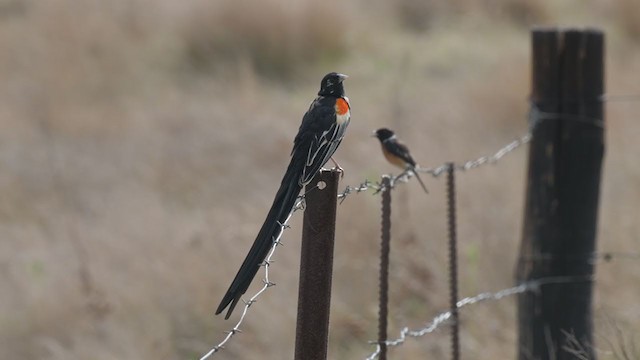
(337, 167)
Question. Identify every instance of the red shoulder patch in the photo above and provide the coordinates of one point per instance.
(342, 106)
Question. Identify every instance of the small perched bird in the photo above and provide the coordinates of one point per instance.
(322, 129)
(396, 152)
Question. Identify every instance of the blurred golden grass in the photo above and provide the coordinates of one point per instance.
(142, 143)
(628, 13)
(416, 15)
(279, 38)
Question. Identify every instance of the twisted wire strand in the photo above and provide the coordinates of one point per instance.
(444, 317)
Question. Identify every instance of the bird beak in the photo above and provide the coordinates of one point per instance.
(373, 134)
(343, 77)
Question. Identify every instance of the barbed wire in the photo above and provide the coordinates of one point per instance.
(444, 317)
(362, 187)
(536, 116)
(483, 160)
(610, 256)
(620, 97)
(267, 283)
(606, 256)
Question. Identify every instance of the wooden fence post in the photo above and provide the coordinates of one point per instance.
(565, 158)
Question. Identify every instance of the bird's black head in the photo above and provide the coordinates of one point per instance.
(332, 84)
(383, 134)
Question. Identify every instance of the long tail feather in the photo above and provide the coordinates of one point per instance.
(282, 205)
(419, 180)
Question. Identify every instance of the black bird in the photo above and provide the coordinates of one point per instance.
(396, 152)
(322, 129)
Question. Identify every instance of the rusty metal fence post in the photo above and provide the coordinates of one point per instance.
(385, 249)
(453, 262)
(316, 266)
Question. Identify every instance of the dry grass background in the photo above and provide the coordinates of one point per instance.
(141, 144)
